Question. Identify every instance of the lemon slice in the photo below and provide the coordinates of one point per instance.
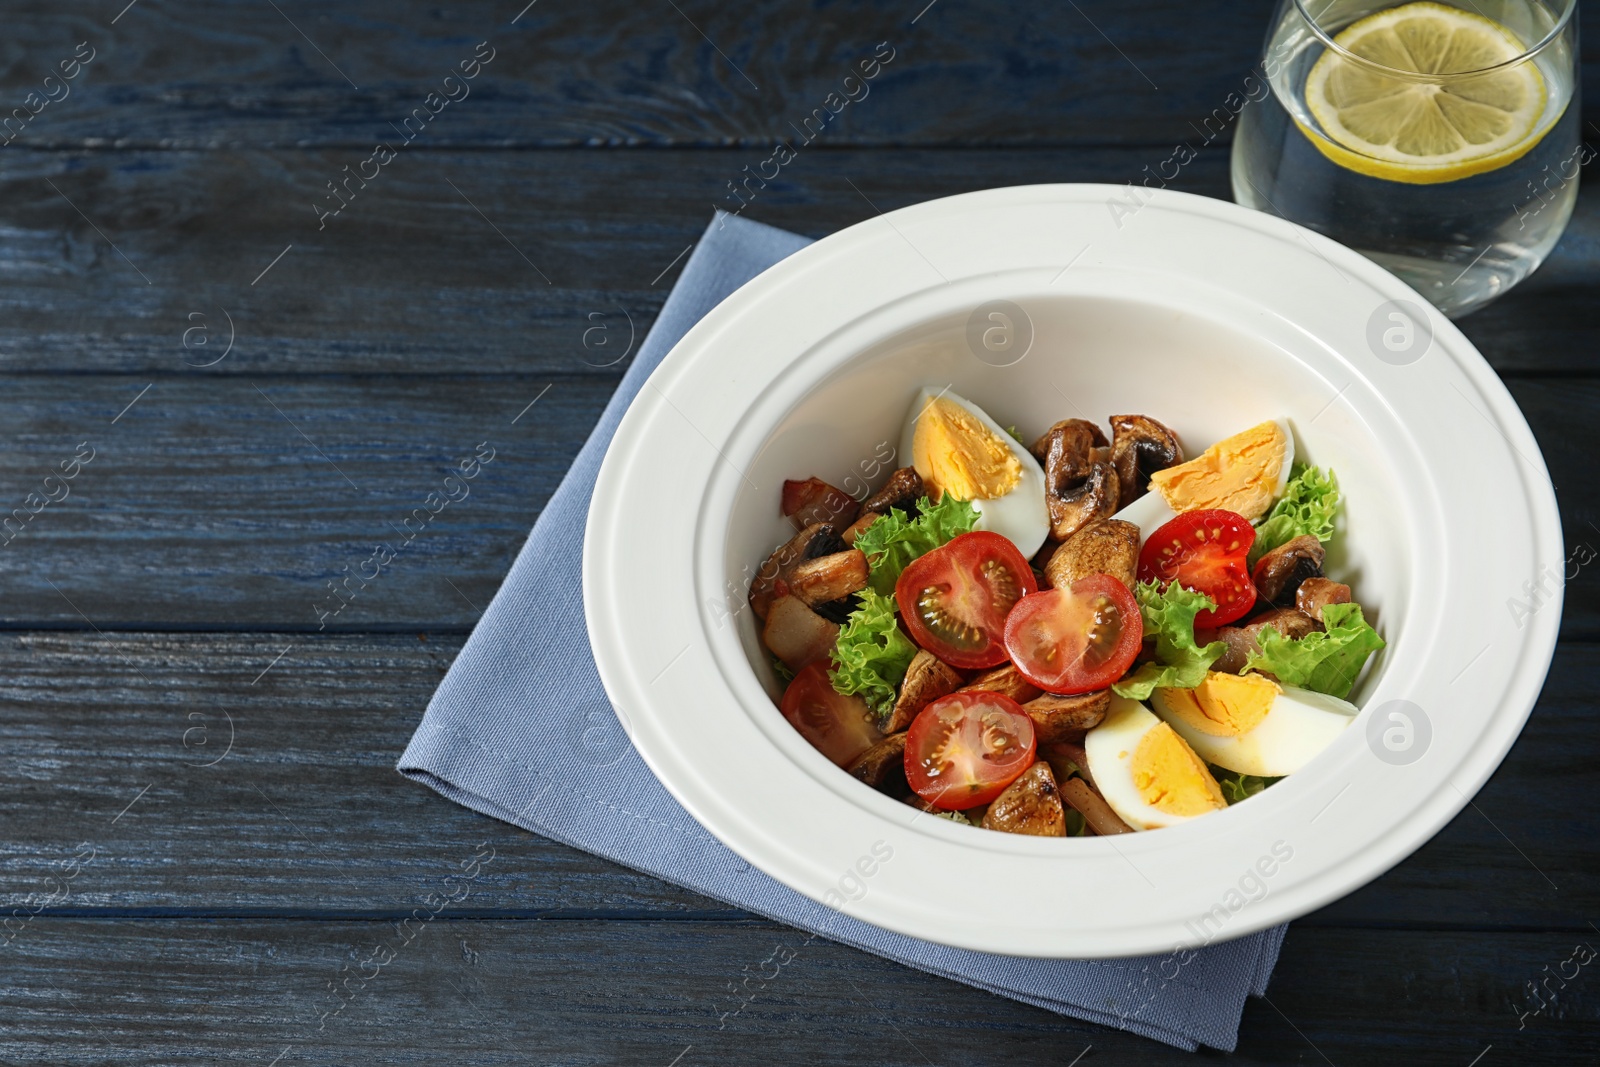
(1419, 131)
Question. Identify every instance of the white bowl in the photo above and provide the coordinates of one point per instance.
(1199, 313)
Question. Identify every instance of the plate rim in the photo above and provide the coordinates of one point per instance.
(1522, 684)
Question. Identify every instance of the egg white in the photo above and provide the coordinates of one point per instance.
(1298, 727)
(1110, 748)
(1021, 516)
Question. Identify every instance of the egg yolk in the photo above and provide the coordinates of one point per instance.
(1170, 777)
(1224, 705)
(954, 452)
(1239, 474)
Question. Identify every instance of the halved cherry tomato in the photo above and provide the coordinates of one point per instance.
(839, 726)
(964, 749)
(1076, 640)
(1205, 551)
(955, 599)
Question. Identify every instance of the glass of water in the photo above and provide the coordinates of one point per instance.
(1440, 140)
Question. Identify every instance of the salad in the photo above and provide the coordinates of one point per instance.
(1077, 636)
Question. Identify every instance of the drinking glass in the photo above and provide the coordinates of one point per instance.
(1441, 140)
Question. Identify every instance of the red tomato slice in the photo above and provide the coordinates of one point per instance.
(955, 599)
(1205, 551)
(840, 727)
(1076, 640)
(964, 749)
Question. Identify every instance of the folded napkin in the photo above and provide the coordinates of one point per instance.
(520, 729)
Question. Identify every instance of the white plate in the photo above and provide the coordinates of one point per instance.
(1202, 314)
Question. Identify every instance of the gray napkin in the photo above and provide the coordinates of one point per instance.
(520, 729)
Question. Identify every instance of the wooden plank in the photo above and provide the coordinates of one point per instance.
(190, 74)
(657, 993)
(106, 740)
(230, 502)
(410, 278)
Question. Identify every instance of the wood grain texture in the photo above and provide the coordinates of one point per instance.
(194, 74)
(223, 902)
(87, 721)
(232, 501)
(440, 264)
(586, 992)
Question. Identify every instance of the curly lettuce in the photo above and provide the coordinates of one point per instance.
(1237, 786)
(1180, 663)
(1325, 662)
(871, 656)
(1308, 506)
(892, 542)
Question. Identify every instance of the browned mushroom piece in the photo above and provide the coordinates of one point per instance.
(1003, 679)
(1243, 640)
(796, 634)
(883, 766)
(1080, 483)
(818, 539)
(1105, 546)
(1065, 718)
(853, 531)
(1097, 814)
(927, 679)
(814, 500)
(1278, 574)
(1315, 594)
(1140, 446)
(817, 581)
(903, 489)
(1029, 805)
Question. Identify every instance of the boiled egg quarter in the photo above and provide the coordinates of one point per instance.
(1146, 771)
(958, 449)
(1251, 724)
(1244, 473)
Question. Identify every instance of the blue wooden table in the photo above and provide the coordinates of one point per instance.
(256, 341)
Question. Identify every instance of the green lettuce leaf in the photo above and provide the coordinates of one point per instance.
(894, 540)
(1322, 662)
(871, 655)
(1237, 787)
(1309, 503)
(1180, 663)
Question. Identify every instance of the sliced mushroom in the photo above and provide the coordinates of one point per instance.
(1140, 446)
(1243, 640)
(1315, 594)
(815, 540)
(1093, 807)
(883, 766)
(927, 679)
(853, 531)
(817, 581)
(838, 611)
(796, 634)
(1085, 438)
(1003, 679)
(1030, 805)
(903, 489)
(814, 500)
(1278, 574)
(1064, 718)
(1080, 482)
(1105, 546)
